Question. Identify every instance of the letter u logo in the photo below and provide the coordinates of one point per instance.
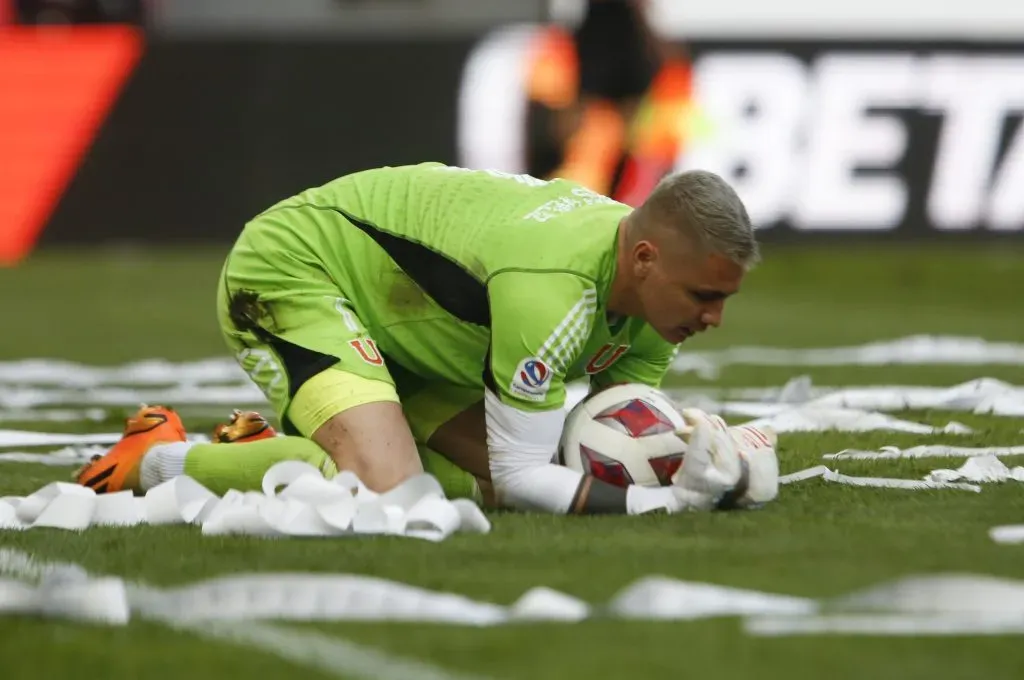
(367, 350)
(605, 358)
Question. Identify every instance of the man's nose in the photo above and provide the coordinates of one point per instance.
(712, 315)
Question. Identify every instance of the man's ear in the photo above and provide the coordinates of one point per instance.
(644, 256)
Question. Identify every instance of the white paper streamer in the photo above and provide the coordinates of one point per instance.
(664, 598)
(57, 505)
(147, 372)
(830, 475)
(41, 382)
(912, 350)
(177, 501)
(874, 625)
(1009, 533)
(924, 605)
(243, 394)
(297, 501)
(890, 483)
(9, 514)
(958, 604)
(319, 652)
(93, 600)
(69, 455)
(985, 469)
(316, 597)
(940, 594)
(819, 419)
(122, 508)
(11, 438)
(63, 415)
(984, 395)
(801, 475)
(29, 438)
(925, 451)
(799, 407)
(545, 604)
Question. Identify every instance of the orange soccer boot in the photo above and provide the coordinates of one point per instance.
(244, 426)
(118, 469)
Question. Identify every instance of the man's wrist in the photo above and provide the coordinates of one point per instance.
(597, 497)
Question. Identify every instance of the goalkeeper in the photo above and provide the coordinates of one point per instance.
(428, 307)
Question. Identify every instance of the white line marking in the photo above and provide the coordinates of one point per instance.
(330, 654)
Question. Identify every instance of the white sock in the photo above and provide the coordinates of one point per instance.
(163, 462)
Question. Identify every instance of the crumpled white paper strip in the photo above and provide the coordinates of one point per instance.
(911, 350)
(29, 438)
(145, 372)
(663, 598)
(925, 451)
(20, 397)
(830, 475)
(939, 594)
(56, 415)
(812, 418)
(344, 597)
(802, 475)
(896, 483)
(983, 395)
(11, 438)
(68, 455)
(931, 604)
(888, 625)
(955, 604)
(93, 600)
(1007, 533)
(315, 597)
(979, 469)
(297, 501)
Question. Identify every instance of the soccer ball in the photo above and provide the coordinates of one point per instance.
(624, 435)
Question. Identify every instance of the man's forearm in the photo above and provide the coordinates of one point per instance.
(521, 446)
(556, 489)
(597, 497)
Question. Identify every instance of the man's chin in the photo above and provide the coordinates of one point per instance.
(676, 336)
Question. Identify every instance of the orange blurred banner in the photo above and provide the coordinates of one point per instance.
(58, 85)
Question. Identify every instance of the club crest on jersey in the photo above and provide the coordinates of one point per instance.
(367, 350)
(605, 357)
(531, 379)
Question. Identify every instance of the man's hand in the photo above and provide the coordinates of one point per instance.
(711, 467)
(757, 446)
(725, 467)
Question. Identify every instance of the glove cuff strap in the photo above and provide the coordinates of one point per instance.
(731, 498)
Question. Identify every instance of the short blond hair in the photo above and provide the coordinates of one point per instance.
(703, 206)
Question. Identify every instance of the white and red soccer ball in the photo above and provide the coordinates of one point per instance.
(625, 434)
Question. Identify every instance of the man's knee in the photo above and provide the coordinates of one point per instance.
(373, 441)
(359, 423)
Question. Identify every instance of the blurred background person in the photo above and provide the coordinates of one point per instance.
(608, 101)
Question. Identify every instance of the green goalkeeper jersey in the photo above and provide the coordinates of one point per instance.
(476, 278)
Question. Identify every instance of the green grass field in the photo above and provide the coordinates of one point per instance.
(817, 540)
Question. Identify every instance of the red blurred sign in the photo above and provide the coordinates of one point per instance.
(58, 84)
